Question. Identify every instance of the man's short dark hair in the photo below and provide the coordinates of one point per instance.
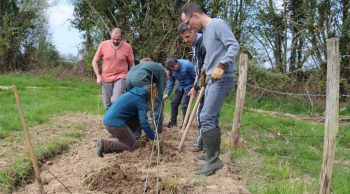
(190, 8)
(170, 63)
(183, 28)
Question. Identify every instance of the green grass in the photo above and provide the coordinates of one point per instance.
(43, 97)
(283, 104)
(285, 155)
(21, 169)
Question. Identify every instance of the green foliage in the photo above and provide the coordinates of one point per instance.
(150, 26)
(24, 39)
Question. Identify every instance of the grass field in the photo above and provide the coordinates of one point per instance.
(43, 97)
(282, 156)
(285, 155)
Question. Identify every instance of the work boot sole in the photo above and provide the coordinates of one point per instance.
(217, 166)
(210, 172)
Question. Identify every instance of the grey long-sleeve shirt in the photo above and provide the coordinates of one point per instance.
(221, 46)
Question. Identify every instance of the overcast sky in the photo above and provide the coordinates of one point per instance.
(66, 38)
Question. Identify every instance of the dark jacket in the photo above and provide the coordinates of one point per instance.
(199, 55)
(130, 105)
(198, 59)
(145, 74)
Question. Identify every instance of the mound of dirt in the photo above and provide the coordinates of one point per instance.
(79, 170)
(117, 179)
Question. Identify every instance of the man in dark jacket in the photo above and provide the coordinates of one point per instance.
(194, 40)
(148, 73)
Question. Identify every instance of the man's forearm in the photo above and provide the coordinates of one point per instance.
(95, 68)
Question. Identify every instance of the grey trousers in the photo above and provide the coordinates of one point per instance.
(126, 140)
(111, 91)
(215, 95)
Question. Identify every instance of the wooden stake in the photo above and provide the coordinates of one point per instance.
(184, 123)
(332, 116)
(240, 96)
(28, 141)
(200, 96)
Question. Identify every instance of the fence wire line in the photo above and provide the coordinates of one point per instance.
(285, 136)
(287, 73)
(56, 178)
(292, 94)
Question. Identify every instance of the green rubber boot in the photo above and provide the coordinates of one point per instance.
(212, 141)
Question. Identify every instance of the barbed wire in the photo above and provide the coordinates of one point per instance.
(285, 136)
(287, 73)
(55, 177)
(285, 93)
(295, 71)
(292, 94)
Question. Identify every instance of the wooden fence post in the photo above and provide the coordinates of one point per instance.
(240, 95)
(28, 141)
(332, 115)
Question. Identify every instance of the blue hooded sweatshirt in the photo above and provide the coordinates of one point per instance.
(130, 105)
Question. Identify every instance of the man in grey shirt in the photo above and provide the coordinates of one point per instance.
(219, 66)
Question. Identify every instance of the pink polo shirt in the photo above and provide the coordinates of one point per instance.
(115, 60)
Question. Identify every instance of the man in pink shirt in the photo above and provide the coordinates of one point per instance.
(118, 58)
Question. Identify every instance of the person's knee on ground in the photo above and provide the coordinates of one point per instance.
(106, 147)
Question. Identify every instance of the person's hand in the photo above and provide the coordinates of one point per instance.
(193, 92)
(217, 73)
(165, 96)
(98, 80)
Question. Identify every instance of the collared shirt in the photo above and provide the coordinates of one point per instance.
(116, 60)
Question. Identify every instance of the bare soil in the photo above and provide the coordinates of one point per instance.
(79, 170)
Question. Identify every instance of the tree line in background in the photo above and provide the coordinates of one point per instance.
(285, 35)
(24, 39)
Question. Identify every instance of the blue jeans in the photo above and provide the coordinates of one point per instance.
(215, 95)
(199, 110)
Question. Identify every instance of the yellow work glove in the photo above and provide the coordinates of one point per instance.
(217, 73)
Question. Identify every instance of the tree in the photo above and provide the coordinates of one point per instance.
(23, 25)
